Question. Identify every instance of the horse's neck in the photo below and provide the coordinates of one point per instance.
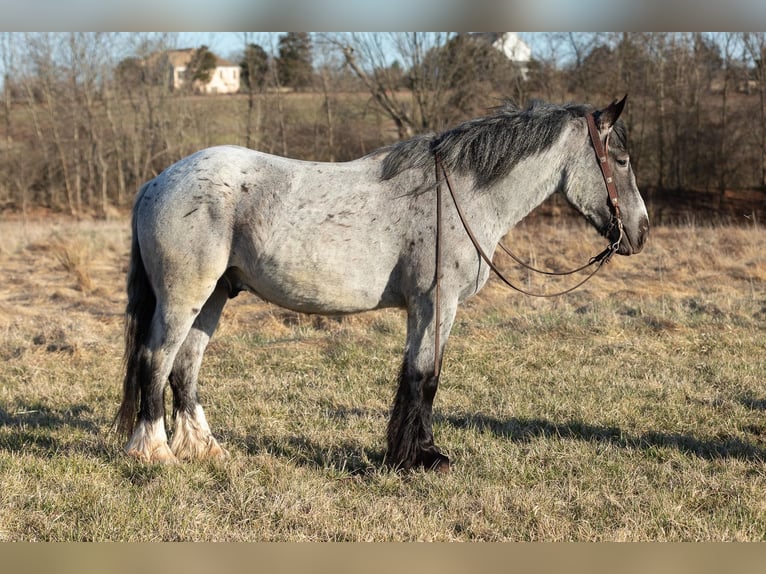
(528, 185)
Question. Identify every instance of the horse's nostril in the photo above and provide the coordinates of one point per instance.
(643, 234)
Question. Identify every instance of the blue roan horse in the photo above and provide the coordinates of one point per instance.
(334, 238)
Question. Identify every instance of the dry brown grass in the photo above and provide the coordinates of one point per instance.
(633, 409)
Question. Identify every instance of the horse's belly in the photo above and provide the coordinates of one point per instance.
(311, 288)
(338, 259)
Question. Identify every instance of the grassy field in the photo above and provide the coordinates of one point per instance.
(632, 409)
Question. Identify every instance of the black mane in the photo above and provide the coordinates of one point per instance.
(489, 147)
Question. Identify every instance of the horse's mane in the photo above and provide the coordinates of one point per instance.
(489, 147)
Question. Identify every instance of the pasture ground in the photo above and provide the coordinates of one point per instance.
(632, 409)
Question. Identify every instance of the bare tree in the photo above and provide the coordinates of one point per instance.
(586, 47)
(255, 69)
(274, 76)
(148, 94)
(366, 55)
(7, 63)
(326, 64)
(44, 50)
(92, 59)
(755, 49)
(728, 42)
(656, 44)
(421, 107)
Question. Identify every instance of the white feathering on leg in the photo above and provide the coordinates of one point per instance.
(192, 438)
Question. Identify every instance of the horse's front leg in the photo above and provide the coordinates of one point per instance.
(410, 429)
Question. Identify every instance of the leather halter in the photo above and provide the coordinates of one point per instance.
(600, 259)
(606, 171)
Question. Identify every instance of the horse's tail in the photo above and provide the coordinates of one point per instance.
(138, 319)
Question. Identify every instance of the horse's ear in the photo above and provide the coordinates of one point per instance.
(609, 114)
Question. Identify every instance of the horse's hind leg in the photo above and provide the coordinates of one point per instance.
(170, 325)
(192, 438)
(149, 440)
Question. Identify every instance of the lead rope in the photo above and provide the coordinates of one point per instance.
(599, 259)
(437, 278)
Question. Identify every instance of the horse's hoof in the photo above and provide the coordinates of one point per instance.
(199, 449)
(160, 454)
(441, 465)
(148, 444)
(215, 451)
(429, 459)
(433, 460)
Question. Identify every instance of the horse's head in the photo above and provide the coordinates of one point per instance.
(586, 188)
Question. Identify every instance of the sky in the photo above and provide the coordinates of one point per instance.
(334, 15)
(230, 44)
(530, 16)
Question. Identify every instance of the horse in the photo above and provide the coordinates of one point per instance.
(348, 237)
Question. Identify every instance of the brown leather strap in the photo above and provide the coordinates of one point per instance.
(438, 273)
(606, 171)
(525, 265)
(601, 258)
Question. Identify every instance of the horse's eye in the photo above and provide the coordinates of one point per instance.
(622, 161)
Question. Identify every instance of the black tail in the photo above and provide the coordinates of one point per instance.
(138, 320)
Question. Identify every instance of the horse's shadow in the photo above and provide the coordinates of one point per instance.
(353, 458)
(753, 403)
(28, 428)
(349, 456)
(519, 430)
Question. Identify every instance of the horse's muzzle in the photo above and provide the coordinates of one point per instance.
(633, 240)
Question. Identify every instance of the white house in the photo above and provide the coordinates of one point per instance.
(509, 43)
(224, 79)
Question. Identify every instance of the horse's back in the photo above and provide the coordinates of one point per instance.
(209, 190)
(312, 236)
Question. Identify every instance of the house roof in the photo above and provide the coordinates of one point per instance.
(181, 58)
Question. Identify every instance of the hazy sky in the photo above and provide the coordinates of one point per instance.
(229, 44)
(333, 15)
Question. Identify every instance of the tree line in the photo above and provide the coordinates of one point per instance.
(87, 117)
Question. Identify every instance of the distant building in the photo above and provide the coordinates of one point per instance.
(224, 79)
(509, 44)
